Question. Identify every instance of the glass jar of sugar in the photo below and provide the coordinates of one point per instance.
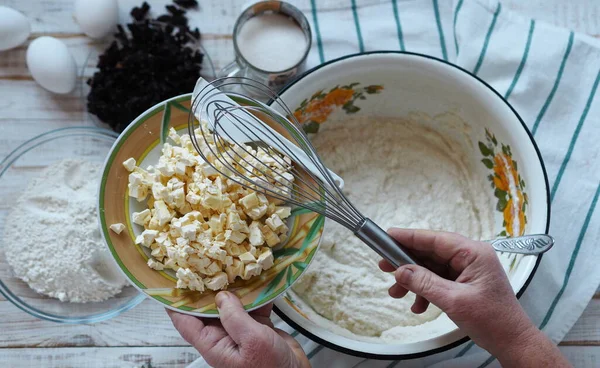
(271, 40)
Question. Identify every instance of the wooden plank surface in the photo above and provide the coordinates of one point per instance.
(145, 335)
(130, 357)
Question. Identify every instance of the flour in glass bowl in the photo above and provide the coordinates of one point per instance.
(52, 239)
(398, 172)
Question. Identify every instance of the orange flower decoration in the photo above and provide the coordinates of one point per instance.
(338, 97)
(296, 308)
(300, 116)
(502, 177)
(318, 111)
(512, 212)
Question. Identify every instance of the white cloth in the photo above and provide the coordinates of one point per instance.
(550, 76)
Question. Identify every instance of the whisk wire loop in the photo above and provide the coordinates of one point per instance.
(226, 118)
(263, 147)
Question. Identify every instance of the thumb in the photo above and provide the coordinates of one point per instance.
(426, 284)
(235, 320)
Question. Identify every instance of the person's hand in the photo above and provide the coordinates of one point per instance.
(238, 338)
(471, 287)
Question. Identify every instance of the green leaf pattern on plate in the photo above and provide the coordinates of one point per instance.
(165, 123)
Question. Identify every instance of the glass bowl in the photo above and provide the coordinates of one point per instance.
(16, 170)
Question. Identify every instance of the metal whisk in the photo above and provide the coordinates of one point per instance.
(238, 127)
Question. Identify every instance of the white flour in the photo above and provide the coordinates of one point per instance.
(398, 173)
(52, 239)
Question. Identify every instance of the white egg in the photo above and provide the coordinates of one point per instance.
(14, 28)
(97, 18)
(51, 64)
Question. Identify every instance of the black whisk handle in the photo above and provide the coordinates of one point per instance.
(386, 246)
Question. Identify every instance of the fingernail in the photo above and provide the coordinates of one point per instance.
(221, 297)
(405, 275)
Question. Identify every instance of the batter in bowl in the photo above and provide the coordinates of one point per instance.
(398, 172)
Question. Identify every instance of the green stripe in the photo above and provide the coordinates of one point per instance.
(361, 46)
(574, 138)
(294, 333)
(359, 363)
(465, 349)
(487, 362)
(314, 352)
(398, 26)
(458, 6)
(582, 233)
(393, 364)
(523, 60)
(438, 21)
(580, 238)
(487, 39)
(556, 83)
(313, 5)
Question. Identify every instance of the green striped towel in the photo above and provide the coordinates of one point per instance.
(550, 76)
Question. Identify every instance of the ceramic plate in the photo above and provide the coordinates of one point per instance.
(143, 140)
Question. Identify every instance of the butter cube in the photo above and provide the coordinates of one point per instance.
(163, 215)
(265, 259)
(262, 198)
(213, 268)
(247, 258)
(138, 191)
(217, 282)
(152, 263)
(193, 198)
(159, 251)
(141, 218)
(129, 164)
(146, 237)
(209, 171)
(165, 168)
(257, 212)
(270, 237)
(233, 249)
(283, 212)
(250, 201)
(256, 236)
(274, 222)
(117, 228)
(216, 253)
(136, 178)
(199, 263)
(236, 269)
(215, 224)
(174, 136)
(182, 242)
(212, 201)
(180, 168)
(250, 270)
(159, 191)
(235, 236)
(187, 279)
(234, 221)
(189, 232)
(177, 198)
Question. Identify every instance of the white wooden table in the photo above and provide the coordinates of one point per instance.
(144, 335)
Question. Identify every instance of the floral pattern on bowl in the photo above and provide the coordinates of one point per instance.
(509, 187)
(316, 109)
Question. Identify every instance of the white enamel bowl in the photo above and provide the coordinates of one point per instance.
(397, 84)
